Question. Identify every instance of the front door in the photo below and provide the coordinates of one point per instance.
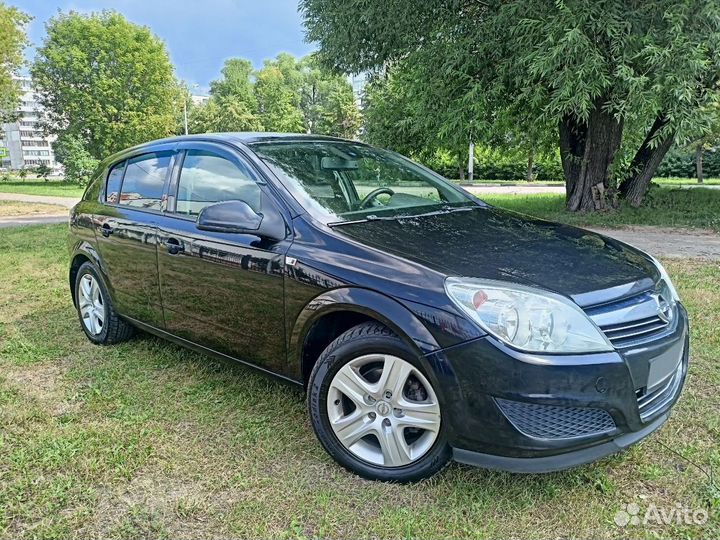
(126, 233)
(221, 290)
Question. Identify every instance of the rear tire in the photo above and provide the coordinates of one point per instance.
(373, 408)
(98, 318)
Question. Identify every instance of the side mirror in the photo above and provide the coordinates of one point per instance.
(239, 217)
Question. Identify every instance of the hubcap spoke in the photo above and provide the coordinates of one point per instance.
(394, 375)
(423, 415)
(353, 427)
(352, 384)
(395, 449)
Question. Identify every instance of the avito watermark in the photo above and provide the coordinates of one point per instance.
(633, 515)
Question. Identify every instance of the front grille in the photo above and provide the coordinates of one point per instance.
(623, 334)
(652, 400)
(634, 320)
(552, 422)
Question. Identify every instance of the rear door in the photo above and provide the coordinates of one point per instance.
(126, 232)
(221, 290)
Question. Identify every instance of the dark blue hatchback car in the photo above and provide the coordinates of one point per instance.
(423, 323)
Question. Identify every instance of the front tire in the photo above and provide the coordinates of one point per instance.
(98, 317)
(374, 409)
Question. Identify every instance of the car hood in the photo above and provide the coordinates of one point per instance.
(491, 243)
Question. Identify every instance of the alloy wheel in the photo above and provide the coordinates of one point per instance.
(92, 308)
(383, 410)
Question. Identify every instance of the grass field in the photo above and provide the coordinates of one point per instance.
(664, 206)
(53, 188)
(146, 439)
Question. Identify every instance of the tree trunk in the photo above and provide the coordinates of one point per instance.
(645, 163)
(530, 162)
(587, 151)
(572, 146)
(461, 168)
(699, 162)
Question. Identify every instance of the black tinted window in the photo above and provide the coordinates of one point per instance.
(144, 180)
(112, 192)
(208, 178)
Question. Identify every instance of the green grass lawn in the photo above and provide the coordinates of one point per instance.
(674, 180)
(53, 188)
(671, 181)
(664, 206)
(147, 439)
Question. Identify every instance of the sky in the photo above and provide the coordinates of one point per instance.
(199, 34)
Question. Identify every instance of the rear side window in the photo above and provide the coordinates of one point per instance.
(144, 179)
(112, 192)
(207, 178)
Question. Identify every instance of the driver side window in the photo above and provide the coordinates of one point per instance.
(207, 178)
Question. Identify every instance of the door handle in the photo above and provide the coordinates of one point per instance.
(106, 230)
(174, 246)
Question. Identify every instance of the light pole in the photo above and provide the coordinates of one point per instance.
(185, 108)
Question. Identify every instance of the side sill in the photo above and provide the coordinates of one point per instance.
(206, 350)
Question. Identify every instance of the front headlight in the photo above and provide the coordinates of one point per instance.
(673, 295)
(525, 318)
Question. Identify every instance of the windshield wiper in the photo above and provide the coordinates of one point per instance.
(443, 210)
(373, 217)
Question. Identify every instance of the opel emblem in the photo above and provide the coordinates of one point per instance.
(664, 312)
(383, 408)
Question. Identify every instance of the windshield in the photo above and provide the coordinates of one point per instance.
(339, 181)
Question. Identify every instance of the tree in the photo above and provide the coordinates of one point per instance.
(590, 67)
(327, 101)
(77, 161)
(104, 82)
(12, 42)
(222, 114)
(278, 98)
(236, 82)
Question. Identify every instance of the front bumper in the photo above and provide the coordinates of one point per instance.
(573, 409)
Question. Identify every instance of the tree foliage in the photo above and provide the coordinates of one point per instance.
(105, 82)
(12, 43)
(619, 81)
(285, 95)
(77, 161)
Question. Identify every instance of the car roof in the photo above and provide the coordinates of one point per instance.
(237, 137)
(244, 137)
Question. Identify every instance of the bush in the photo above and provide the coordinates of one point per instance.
(681, 163)
(496, 165)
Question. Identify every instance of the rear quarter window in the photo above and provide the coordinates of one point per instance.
(114, 179)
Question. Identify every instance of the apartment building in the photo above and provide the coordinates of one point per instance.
(22, 143)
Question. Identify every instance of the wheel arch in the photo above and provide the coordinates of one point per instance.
(333, 312)
(82, 253)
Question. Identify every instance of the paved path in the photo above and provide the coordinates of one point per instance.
(519, 189)
(67, 202)
(19, 221)
(669, 242)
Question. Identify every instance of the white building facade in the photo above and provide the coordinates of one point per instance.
(22, 143)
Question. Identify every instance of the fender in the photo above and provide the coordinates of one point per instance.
(386, 310)
(383, 308)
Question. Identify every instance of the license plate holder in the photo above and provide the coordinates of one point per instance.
(664, 365)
